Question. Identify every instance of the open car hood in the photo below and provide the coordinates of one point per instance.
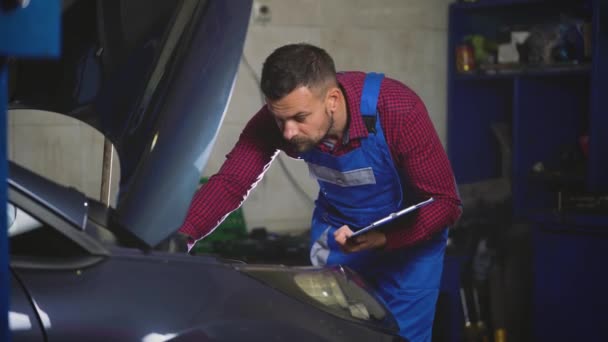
(155, 77)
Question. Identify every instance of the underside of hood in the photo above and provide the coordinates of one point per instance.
(155, 77)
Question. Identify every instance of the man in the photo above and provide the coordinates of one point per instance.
(373, 149)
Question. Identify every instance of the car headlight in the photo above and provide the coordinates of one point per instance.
(337, 290)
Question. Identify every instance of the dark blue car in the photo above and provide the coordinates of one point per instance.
(155, 78)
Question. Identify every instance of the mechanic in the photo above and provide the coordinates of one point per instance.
(371, 145)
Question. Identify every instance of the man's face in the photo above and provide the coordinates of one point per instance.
(304, 117)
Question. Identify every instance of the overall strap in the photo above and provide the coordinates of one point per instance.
(369, 99)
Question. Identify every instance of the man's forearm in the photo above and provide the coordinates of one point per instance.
(429, 221)
(210, 206)
(243, 169)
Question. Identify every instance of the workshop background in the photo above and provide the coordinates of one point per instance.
(516, 91)
(408, 42)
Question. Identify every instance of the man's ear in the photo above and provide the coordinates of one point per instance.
(332, 98)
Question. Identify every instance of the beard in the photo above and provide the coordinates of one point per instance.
(302, 144)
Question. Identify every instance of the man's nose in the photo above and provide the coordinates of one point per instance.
(289, 130)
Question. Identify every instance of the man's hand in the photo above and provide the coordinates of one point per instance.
(184, 242)
(371, 240)
(175, 243)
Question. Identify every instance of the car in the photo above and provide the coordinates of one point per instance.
(154, 77)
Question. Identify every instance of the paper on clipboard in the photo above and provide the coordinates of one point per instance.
(391, 217)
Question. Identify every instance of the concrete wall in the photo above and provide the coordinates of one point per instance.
(406, 39)
(62, 148)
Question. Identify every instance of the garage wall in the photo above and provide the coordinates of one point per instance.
(406, 39)
(64, 149)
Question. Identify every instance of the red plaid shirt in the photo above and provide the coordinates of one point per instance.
(413, 142)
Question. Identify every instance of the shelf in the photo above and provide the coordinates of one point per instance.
(595, 223)
(556, 181)
(548, 107)
(554, 71)
(493, 3)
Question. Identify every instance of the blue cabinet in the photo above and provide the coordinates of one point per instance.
(556, 113)
(547, 107)
(570, 282)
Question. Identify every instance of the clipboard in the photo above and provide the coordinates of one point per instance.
(391, 217)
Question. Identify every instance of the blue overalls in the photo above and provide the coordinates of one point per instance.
(356, 189)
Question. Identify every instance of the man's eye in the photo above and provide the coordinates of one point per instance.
(300, 118)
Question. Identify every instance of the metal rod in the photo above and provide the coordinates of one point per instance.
(106, 173)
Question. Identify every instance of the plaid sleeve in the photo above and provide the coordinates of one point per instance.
(243, 169)
(427, 172)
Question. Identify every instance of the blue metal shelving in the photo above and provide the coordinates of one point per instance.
(27, 29)
(546, 109)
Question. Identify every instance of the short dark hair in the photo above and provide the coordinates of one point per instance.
(295, 65)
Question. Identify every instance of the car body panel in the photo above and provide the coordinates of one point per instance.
(70, 204)
(23, 320)
(191, 115)
(155, 78)
(130, 296)
(81, 289)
